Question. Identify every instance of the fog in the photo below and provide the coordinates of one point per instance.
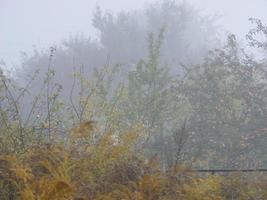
(43, 23)
(120, 99)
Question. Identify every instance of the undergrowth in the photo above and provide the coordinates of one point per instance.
(107, 168)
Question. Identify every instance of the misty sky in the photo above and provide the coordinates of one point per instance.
(24, 23)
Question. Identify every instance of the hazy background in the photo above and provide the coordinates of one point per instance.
(42, 23)
(194, 92)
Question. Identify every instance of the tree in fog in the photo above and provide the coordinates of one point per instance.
(151, 101)
(228, 97)
(122, 39)
(188, 34)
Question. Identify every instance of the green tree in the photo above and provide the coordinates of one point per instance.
(228, 98)
(152, 101)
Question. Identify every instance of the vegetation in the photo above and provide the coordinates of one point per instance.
(138, 130)
(107, 168)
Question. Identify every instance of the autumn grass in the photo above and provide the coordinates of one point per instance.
(108, 169)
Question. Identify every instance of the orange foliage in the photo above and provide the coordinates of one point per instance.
(108, 170)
